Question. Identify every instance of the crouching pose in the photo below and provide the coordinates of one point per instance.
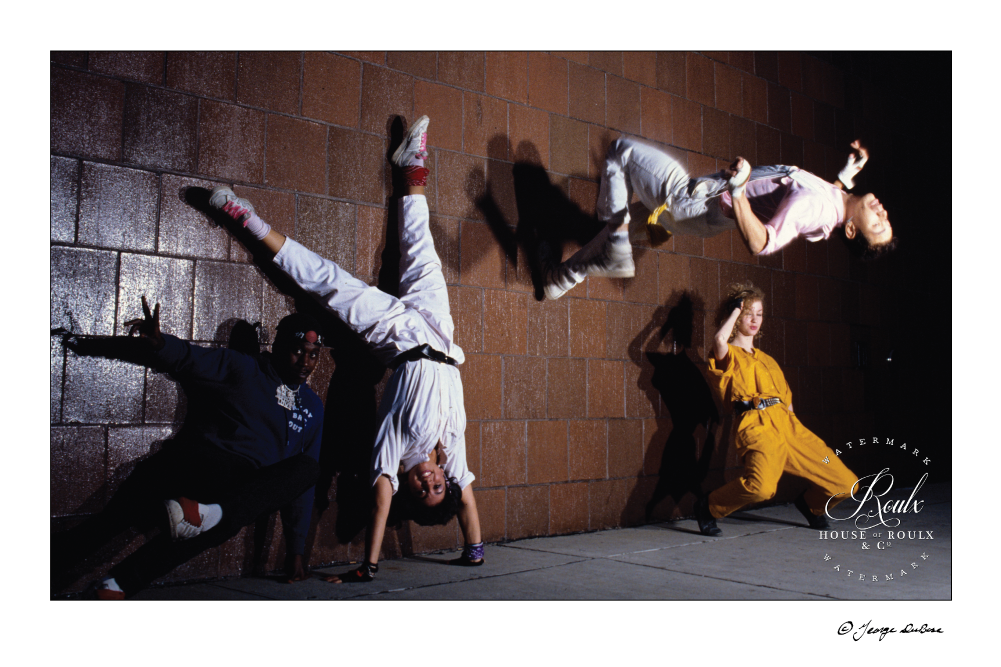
(420, 442)
(769, 436)
(770, 206)
(250, 445)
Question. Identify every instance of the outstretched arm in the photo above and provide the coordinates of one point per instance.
(469, 521)
(137, 350)
(469, 518)
(373, 541)
(377, 522)
(752, 230)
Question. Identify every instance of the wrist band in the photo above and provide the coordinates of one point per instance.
(739, 181)
(366, 572)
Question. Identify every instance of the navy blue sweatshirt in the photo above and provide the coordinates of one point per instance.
(232, 403)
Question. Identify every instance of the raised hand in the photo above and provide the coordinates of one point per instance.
(733, 305)
(856, 160)
(148, 327)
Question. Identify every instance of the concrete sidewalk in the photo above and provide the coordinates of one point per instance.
(764, 554)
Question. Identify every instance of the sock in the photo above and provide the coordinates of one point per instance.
(418, 158)
(415, 175)
(191, 509)
(109, 584)
(257, 227)
(211, 515)
(197, 514)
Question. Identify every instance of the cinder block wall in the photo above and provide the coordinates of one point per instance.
(567, 430)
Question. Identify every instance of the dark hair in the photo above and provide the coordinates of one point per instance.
(860, 247)
(291, 328)
(438, 515)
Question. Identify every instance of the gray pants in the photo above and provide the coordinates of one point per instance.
(656, 178)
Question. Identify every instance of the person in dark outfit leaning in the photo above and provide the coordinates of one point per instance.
(250, 445)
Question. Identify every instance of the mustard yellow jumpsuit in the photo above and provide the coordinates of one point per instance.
(773, 440)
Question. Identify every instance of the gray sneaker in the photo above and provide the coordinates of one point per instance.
(235, 207)
(415, 143)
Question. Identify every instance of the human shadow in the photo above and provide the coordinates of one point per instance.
(674, 379)
(238, 335)
(546, 218)
(351, 398)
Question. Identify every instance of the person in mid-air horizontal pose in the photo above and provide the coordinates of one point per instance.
(770, 206)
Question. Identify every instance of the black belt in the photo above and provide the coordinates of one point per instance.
(740, 407)
(424, 351)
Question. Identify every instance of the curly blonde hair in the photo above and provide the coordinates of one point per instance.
(747, 292)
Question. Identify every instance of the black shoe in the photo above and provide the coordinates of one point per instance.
(817, 522)
(707, 524)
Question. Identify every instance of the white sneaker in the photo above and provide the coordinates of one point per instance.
(108, 589)
(235, 207)
(559, 281)
(181, 528)
(415, 143)
(613, 259)
(602, 257)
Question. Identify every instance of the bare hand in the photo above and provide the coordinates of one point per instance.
(148, 328)
(296, 571)
(360, 574)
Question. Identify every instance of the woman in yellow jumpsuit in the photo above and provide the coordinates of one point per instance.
(769, 436)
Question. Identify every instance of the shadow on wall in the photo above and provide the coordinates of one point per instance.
(350, 404)
(546, 217)
(672, 377)
(238, 335)
(351, 396)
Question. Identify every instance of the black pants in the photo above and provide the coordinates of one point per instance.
(199, 471)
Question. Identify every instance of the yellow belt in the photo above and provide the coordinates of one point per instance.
(658, 235)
